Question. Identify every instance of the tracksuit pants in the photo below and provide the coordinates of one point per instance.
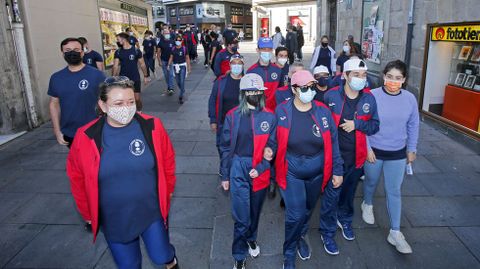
(345, 210)
(157, 243)
(246, 206)
(217, 143)
(304, 185)
(328, 210)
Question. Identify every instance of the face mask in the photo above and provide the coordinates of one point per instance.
(167, 36)
(307, 97)
(178, 43)
(188, 29)
(393, 85)
(254, 100)
(234, 48)
(85, 49)
(119, 44)
(72, 57)
(265, 56)
(122, 114)
(346, 49)
(282, 61)
(130, 33)
(322, 81)
(324, 44)
(357, 84)
(236, 69)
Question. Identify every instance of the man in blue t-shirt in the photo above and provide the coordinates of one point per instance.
(127, 58)
(131, 38)
(73, 93)
(165, 47)
(91, 57)
(149, 50)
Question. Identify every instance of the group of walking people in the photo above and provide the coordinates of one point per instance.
(314, 135)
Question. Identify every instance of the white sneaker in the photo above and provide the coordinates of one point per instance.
(397, 239)
(253, 249)
(367, 213)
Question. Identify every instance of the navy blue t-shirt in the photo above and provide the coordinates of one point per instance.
(132, 40)
(127, 180)
(324, 58)
(129, 62)
(230, 95)
(149, 47)
(166, 46)
(284, 76)
(179, 55)
(305, 138)
(346, 140)
(92, 58)
(244, 146)
(341, 60)
(78, 95)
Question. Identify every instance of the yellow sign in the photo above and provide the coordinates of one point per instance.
(466, 33)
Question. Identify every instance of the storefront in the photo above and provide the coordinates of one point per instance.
(115, 17)
(450, 90)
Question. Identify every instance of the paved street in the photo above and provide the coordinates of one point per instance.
(40, 228)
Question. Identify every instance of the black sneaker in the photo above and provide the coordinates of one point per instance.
(171, 91)
(239, 264)
(282, 203)
(272, 190)
(180, 100)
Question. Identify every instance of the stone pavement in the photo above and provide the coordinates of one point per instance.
(39, 226)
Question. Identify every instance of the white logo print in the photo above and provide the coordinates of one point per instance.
(83, 84)
(89, 61)
(137, 147)
(283, 118)
(316, 131)
(264, 126)
(331, 104)
(131, 57)
(274, 76)
(325, 122)
(366, 107)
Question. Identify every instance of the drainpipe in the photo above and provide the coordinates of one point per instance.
(16, 26)
(408, 46)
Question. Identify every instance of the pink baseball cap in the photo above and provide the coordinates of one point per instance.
(302, 78)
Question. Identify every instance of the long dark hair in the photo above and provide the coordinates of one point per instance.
(243, 104)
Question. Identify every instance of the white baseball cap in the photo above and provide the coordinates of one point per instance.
(320, 69)
(251, 82)
(354, 65)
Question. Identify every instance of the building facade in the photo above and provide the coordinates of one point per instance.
(158, 13)
(205, 13)
(389, 29)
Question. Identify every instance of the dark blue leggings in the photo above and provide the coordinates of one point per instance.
(157, 243)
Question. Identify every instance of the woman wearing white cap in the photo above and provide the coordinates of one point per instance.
(320, 73)
(247, 145)
(307, 157)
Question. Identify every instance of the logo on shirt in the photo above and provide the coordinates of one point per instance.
(316, 131)
(366, 107)
(131, 57)
(264, 126)
(325, 122)
(83, 84)
(283, 118)
(274, 76)
(89, 61)
(137, 147)
(331, 104)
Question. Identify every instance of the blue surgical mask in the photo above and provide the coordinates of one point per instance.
(178, 43)
(307, 97)
(236, 69)
(357, 84)
(265, 56)
(167, 36)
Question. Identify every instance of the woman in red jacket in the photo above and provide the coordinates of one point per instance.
(122, 174)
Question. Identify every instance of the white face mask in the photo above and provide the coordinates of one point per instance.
(346, 49)
(85, 49)
(307, 97)
(282, 61)
(122, 114)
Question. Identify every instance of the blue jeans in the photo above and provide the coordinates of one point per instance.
(393, 173)
(304, 185)
(157, 243)
(347, 194)
(150, 64)
(180, 77)
(246, 206)
(168, 75)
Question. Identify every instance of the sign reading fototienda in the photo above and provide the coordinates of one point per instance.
(456, 33)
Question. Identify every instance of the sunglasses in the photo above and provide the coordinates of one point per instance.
(118, 80)
(306, 88)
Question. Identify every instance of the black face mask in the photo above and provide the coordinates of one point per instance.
(254, 100)
(324, 44)
(322, 81)
(72, 57)
(119, 45)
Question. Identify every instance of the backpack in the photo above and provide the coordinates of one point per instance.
(283, 41)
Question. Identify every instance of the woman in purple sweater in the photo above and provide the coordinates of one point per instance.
(391, 149)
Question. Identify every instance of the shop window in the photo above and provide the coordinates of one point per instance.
(173, 12)
(451, 87)
(185, 11)
(248, 12)
(160, 11)
(236, 11)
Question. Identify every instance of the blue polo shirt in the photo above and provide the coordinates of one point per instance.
(166, 46)
(127, 181)
(92, 58)
(149, 47)
(244, 145)
(129, 62)
(78, 95)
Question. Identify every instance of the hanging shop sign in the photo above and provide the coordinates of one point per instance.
(467, 33)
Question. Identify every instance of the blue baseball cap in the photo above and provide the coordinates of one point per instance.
(265, 42)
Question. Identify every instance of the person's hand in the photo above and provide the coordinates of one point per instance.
(253, 173)
(214, 127)
(146, 80)
(337, 181)
(226, 185)
(371, 156)
(268, 154)
(60, 139)
(348, 125)
(411, 157)
(189, 70)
